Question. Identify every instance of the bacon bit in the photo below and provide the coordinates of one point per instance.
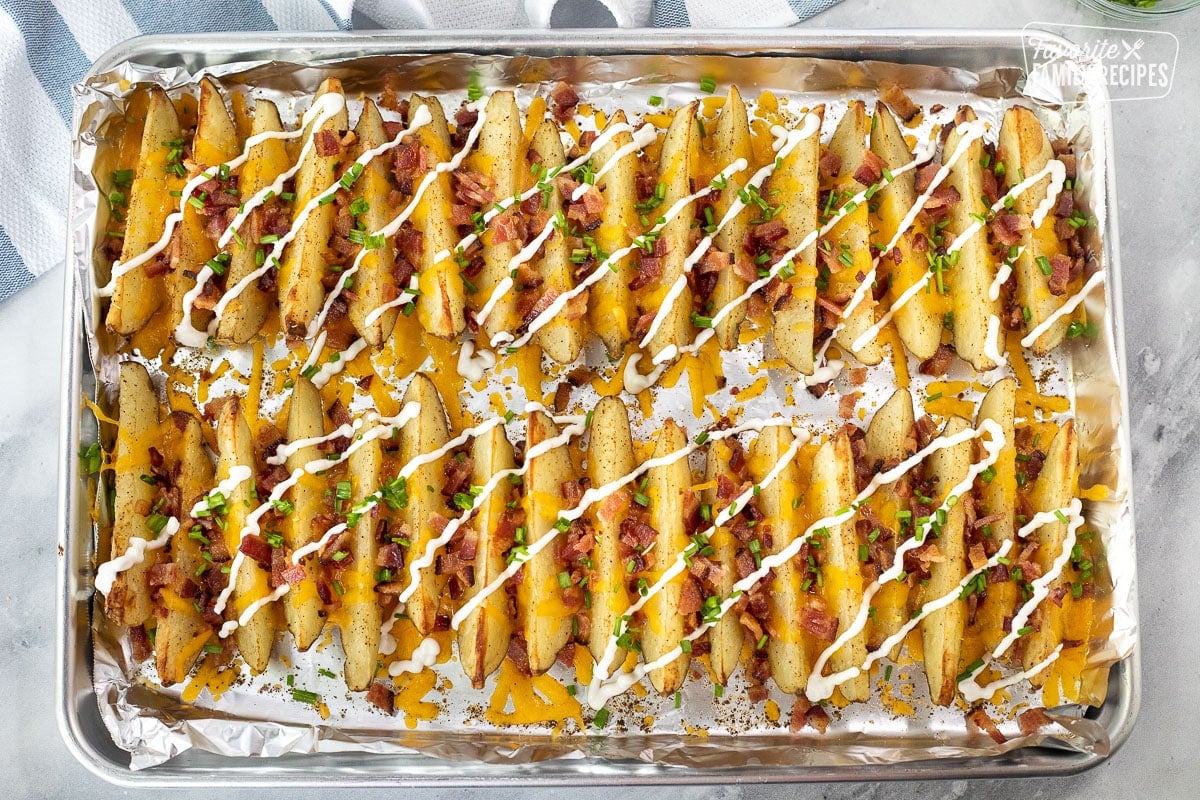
(571, 491)
(579, 544)
(465, 117)
(518, 654)
(637, 533)
(159, 265)
(870, 170)
(1069, 161)
(925, 176)
(1065, 205)
(544, 302)
(381, 696)
(327, 143)
(858, 376)
(980, 719)
(460, 215)
(650, 269)
(847, 404)
(458, 475)
(390, 556)
(938, 364)
(828, 305)
(1057, 594)
(689, 597)
(139, 643)
(830, 165)
(528, 277)
(943, 197)
(1060, 274)
(577, 306)
(614, 505)
(505, 228)
(278, 565)
(642, 326)
(776, 292)
(293, 574)
(818, 622)
(563, 100)
(161, 575)
(474, 188)
(256, 548)
(1008, 228)
(1033, 720)
(819, 719)
(898, 101)
(592, 202)
(769, 232)
(977, 556)
(745, 269)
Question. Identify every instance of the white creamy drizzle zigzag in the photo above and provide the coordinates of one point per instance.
(390, 230)
(594, 495)
(424, 655)
(820, 687)
(971, 691)
(1066, 308)
(107, 573)
(576, 425)
(785, 142)
(1057, 173)
(383, 426)
(991, 341)
(321, 114)
(599, 691)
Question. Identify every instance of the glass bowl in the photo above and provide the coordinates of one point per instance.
(1140, 9)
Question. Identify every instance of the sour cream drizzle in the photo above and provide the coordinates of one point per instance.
(423, 656)
(1057, 173)
(594, 495)
(135, 554)
(820, 687)
(319, 112)
(785, 142)
(1064, 309)
(601, 689)
(384, 427)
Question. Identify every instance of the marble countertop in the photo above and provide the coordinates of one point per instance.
(1158, 210)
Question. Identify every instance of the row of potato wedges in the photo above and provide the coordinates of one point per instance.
(511, 155)
(578, 588)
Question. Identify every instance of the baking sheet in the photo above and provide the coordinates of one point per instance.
(153, 725)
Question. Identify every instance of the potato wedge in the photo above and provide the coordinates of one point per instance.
(441, 307)
(889, 441)
(788, 653)
(235, 446)
(942, 631)
(301, 293)
(676, 170)
(373, 283)
(731, 142)
(665, 629)
(972, 276)
(136, 295)
(726, 636)
(540, 610)
(363, 614)
(796, 180)
(918, 321)
(427, 432)
(1025, 150)
(611, 307)
(610, 457)
(215, 142)
(501, 158)
(848, 240)
(484, 635)
(128, 602)
(841, 570)
(1055, 486)
(302, 605)
(563, 337)
(182, 633)
(998, 496)
(245, 314)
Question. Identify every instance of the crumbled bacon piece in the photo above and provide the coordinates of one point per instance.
(1033, 720)
(381, 696)
(769, 232)
(830, 165)
(818, 622)
(942, 198)
(139, 643)
(898, 101)
(689, 597)
(1009, 227)
(870, 170)
(458, 474)
(650, 269)
(544, 302)
(474, 188)
(925, 176)
(637, 534)
(1060, 274)
(980, 719)
(327, 143)
(938, 364)
(256, 548)
(563, 100)
(518, 654)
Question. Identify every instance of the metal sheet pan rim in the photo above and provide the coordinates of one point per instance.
(73, 705)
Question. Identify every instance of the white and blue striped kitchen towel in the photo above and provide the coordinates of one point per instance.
(47, 45)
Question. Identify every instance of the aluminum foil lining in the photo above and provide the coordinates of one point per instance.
(256, 717)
